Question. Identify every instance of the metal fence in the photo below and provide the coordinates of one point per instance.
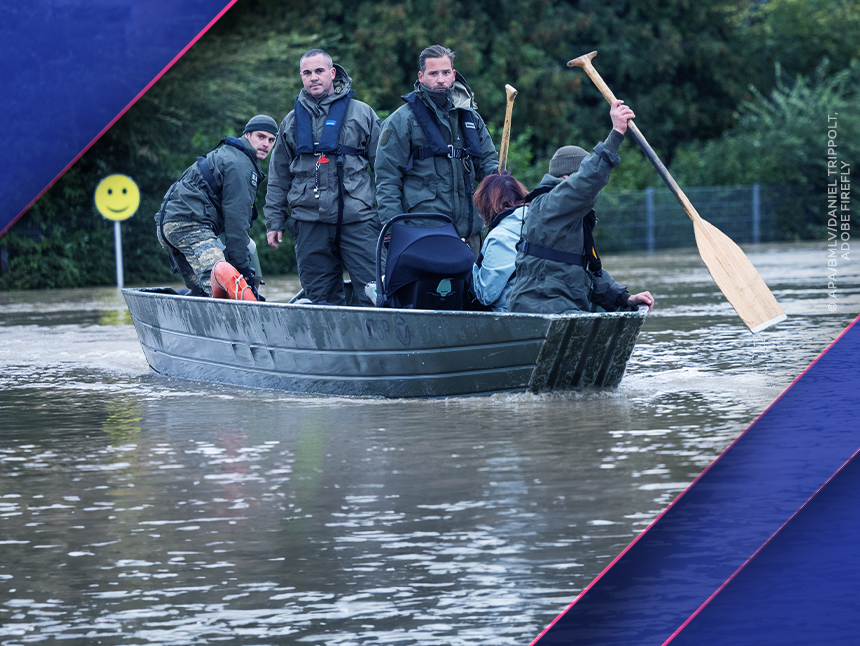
(653, 219)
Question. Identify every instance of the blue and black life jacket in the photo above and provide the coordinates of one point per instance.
(329, 143)
(589, 260)
(438, 148)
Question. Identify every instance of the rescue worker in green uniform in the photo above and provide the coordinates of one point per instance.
(434, 148)
(557, 267)
(319, 185)
(215, 195)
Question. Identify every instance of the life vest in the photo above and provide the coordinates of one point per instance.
(589, 260)
(431, 128)
(329, 143)
(438, 148)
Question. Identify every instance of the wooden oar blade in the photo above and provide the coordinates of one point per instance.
(737, 278)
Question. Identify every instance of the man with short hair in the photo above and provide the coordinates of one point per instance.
(433, 149)
(215, 195)
(319, 185)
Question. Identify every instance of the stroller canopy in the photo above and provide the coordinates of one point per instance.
(418, 253)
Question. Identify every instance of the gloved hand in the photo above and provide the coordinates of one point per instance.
(253, 282)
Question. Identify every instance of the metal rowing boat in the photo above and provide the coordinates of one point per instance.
(378, 352)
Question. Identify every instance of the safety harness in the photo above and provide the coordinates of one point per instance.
(589, 261)
(438, 147)
(328, 143)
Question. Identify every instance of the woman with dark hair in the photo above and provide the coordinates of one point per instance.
(500, 201)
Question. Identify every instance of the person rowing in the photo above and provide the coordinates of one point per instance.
(557, 268)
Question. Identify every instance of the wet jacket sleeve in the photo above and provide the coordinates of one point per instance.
(238, 194)
(392, 155)
(280, 179)
(608, 293)
(489, 157)
(373, 140)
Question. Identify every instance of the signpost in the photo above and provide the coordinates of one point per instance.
(117, 198)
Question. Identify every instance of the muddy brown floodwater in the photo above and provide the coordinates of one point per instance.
(137, 509)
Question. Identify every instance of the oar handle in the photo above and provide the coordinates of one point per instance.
(506, 131)
(584, 62)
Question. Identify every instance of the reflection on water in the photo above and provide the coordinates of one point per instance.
(140, 509)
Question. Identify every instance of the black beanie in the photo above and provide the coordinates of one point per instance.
(262, 122)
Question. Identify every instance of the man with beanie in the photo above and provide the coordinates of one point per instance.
(557, 267)
(217, 194)
(433, 149)
(319, 185)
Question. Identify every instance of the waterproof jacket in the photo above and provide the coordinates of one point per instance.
(555, 221)
(292, 176)
(493, 278)
(433, 184)
(192, 199)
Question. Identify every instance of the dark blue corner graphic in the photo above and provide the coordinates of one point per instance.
(727, 515)
(802, 587)
(70, 68)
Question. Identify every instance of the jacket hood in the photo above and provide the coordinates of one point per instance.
(461, 94)
(342, 80)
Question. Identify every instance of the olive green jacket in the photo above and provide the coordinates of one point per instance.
(292, 175)
(434, 184)
(554, 220)
(191, 199)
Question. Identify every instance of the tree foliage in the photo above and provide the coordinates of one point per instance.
(781, 139)
(700, 76)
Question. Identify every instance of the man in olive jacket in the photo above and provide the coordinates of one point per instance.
(216, 195)
(319, 186)
(557, 267)
(434, 148)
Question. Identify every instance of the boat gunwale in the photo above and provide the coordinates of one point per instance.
(641, 311)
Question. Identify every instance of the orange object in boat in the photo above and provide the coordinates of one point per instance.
(227, 282)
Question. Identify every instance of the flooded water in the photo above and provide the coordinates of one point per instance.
(137, 509)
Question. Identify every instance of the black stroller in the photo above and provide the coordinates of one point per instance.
(428, 268)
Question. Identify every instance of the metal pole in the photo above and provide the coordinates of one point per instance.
(649, 219)
(118, 243)
(756, 213)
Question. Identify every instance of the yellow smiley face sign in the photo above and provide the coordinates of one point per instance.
(117, 197)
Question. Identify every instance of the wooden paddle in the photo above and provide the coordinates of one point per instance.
(506, 132)
(730, 268)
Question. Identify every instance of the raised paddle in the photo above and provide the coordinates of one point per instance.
(506, 132)
(730, 268)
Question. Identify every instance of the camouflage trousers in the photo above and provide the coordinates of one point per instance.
(193, 251)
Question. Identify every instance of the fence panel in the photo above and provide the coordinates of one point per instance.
(652, 219)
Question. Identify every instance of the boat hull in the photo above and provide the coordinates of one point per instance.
(370, 352)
